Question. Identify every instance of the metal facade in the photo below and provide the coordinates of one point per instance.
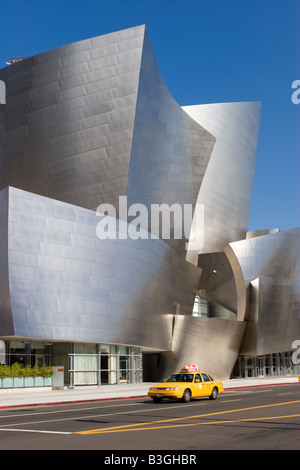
(266, 268)
(227, 186)
(66, 284)
(89, 122)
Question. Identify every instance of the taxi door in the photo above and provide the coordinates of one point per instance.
(197, 386)
(207, 385)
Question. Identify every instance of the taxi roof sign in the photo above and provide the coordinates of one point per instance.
(189, 368)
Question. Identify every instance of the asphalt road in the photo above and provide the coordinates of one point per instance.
(258, 418)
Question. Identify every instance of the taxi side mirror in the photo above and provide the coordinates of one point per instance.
(164, 380)
(197, 380)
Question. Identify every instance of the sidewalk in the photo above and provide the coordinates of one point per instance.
(46, 396)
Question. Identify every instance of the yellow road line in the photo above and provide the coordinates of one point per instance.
(139, 426)
(108, 431)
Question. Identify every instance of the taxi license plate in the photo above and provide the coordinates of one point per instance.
(159, 395)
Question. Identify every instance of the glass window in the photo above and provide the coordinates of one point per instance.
(85, 348)
(104, 364)
(86, 378)
(198, 377)
(105, 348)
(201, 307)
(124, 349)
(2, 352)
(205, 378)
(86, 362)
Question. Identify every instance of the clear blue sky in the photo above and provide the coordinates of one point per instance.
(207, 51)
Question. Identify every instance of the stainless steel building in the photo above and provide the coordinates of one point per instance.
(91, 124)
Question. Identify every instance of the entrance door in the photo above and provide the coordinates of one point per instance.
(260, 366)
(104, 369)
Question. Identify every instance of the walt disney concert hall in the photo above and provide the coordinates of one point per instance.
(88, 125)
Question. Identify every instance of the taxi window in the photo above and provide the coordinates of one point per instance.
(181, 378)
(206, 378)
(198, 377)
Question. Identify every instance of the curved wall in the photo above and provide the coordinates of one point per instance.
(68, 122)
(267, 274)
(91, 121)
(227, 185)
(65, 284)
(211, 343)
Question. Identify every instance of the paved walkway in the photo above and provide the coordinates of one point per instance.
(34, 396)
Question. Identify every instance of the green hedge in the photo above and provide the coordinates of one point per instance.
(18, 370)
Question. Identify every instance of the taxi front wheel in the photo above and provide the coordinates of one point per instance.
(214, 394)
(186, 397)
(157, 399)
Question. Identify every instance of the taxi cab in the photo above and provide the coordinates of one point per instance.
(187, 384)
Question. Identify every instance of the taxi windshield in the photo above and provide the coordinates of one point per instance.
(181, 378)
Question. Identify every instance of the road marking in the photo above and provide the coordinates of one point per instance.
(35, 430)
(132, 427)
(84, 417)
(229, 401)
(107, 430)
(36, 413)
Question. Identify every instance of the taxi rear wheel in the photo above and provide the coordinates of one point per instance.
(186, 397)
(214, 394)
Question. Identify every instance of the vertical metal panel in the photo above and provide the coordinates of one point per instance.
(271, 264)
(227, 186)
(212, 344)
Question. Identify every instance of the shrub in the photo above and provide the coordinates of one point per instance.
(4, 371)
(18, 370)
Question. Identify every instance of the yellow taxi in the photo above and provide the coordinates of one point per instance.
(187, 384)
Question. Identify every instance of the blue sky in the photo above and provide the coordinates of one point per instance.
(207, 51)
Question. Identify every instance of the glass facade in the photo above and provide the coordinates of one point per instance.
(84, 363)
(201, 307)
(103, 364)
(26, 353)
(276, 364)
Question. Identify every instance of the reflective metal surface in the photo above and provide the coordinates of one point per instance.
(65, 284)
(68, 122)
(211, 343)
(89, 122)
(226, 188)
(266, 268)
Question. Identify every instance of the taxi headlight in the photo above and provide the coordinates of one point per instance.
(172, 388)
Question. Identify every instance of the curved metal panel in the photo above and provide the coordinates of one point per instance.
(274, 254)
(212, 344)
(273, 324)
(226, 188)
(6, 320)
(268, 268)
(83, 118)
(68, 122)
(66, 284)
(170, 151)
(89, 122)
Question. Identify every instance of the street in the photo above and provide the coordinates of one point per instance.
(257, 418)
